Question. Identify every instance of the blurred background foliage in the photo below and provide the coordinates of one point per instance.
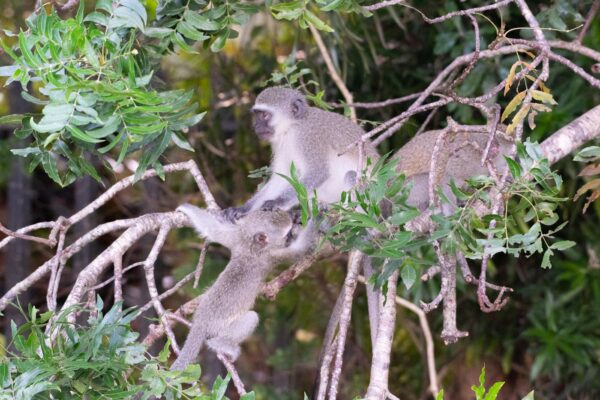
(547, 338)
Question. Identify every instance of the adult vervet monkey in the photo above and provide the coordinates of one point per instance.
(310, 138)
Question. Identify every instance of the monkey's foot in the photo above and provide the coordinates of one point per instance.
(224, 347)
(269, 205)
(234, 213)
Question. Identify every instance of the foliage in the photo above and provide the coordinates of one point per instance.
(95, 72)
(292, 75)
(481, 393)
(563, 325)
(530, 204)
(93, 361)
(95, 81)
(361, 224)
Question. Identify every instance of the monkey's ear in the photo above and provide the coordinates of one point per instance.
(299, 108)
(261, 239)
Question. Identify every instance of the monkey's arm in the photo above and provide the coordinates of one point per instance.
(304, 242)
(278, 193)
(286, 198)
(210, 224)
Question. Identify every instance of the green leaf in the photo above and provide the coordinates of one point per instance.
(515, 168)
(110, 126)
(97, 18)
(546, 259)
(408, 275)
(159, 33)
(200, 21)
(90, 54)
(12, 119)
(220, 386)
(315, 21)
(588, 154)
(47, 127)
(26, 96)
(26, 152)
(51, 168)
(182, 143)
(124, 17)
(136, 7)
(492, 393)
(27, 54)
(187, 30)
(219, 42)
(563, 245)
(79, 134)
(440, 395)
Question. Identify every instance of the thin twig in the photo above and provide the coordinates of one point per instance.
(20, 234)
(588, 21)
(354, 263)
(273, 287)
(118, 266)
(475, 57)
(339, 82)
(380, 365)
(150, 280)
(379, 104)
(169, 292)
(200, 265)
(237, 382)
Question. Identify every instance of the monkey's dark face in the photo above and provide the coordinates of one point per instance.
(262, 124)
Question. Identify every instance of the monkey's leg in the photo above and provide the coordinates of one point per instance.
(228, 342)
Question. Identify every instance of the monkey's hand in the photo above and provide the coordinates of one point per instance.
(269, 205)
(235, 213)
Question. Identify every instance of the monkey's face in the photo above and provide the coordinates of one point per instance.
(269, 230)
(276, 110)
(262, 123)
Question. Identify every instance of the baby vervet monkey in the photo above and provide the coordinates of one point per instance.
(310, 138)
(258, 241)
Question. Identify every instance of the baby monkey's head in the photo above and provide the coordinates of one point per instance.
(267, 230)
(256, 232)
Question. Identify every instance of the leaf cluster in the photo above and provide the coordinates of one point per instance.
(183, 23)
(93, 361)
(93, 78)
(372, 217)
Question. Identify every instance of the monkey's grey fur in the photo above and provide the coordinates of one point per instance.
(310, 138)
(459, 160)
(258, 241)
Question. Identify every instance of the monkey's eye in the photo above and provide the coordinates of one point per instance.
(263, 115)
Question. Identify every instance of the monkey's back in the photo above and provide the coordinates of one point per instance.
(459, 157)
(331, 129)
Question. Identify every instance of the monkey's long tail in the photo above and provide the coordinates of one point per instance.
(191, 348)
